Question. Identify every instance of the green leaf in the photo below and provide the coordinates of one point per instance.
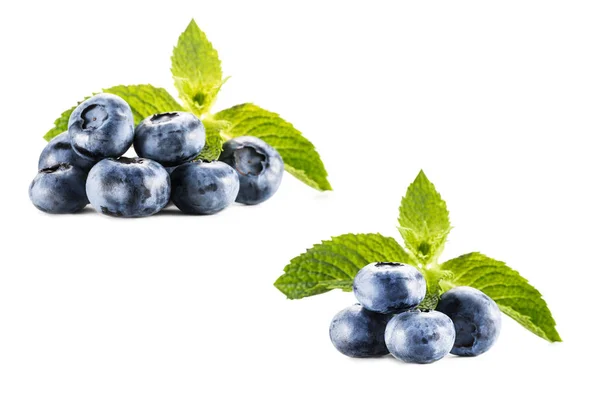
(144, 101)
(333, 263)
(433, 276)
(513, 294)
(424, 222)
(196, 70)
(214, 139)
(298, 153)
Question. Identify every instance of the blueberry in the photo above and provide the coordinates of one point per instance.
(358, 332)
(59, 189)
(258, 165)
(204, 188)
(128, 187)
(476, 318)
(170, 138)
(420, 337)
(386, 287)
(59, 150)
(101, 127)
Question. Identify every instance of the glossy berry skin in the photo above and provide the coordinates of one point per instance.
(101, 127)
(476, 318)
(420, 337)
(204, 188)
(128, 187)
(59, 151)
(59, 189)
(258, 165)
(170, 138)
(358, 332)
(389, 288)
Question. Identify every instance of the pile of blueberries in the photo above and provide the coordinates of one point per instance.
(84, 165)
(466, 322)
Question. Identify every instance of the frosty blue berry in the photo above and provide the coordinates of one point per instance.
(171, 138)
(60, 151)
(419, 337)
(388, 287)
(128, 187)
(204, 188)
(358, 332)
(259, 166)
(476, 318)
(101, 127)
(59, 189)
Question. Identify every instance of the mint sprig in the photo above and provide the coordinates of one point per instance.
(198, 78)
(424, 226)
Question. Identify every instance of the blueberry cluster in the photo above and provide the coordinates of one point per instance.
(466, 322)
(85, 165)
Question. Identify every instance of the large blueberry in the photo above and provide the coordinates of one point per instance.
(387, 287)
(170, 138)
(420, 337)
(358, 332)
(259, 166)
(476, 317)
(101, 127)
(204, 188)
(128, 187)
(59, 150)
(59, 189)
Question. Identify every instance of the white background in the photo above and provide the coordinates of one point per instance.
(497, 102)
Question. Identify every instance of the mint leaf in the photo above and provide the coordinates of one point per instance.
(513, 294)
(333, 263)
(214, 139)
(433, 276)
(298, 153)
(424, 221)
(196, 70)
(144, 101)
